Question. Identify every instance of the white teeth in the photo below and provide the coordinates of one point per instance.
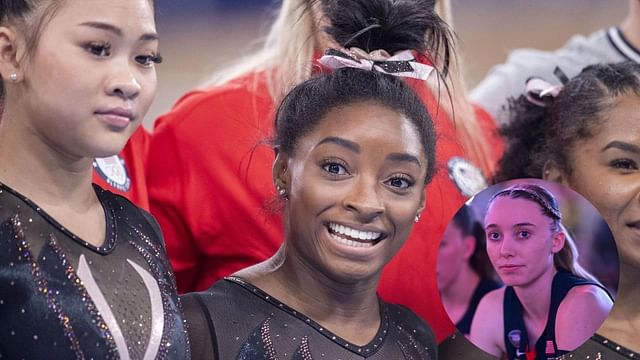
(351, 242)
(353, 233)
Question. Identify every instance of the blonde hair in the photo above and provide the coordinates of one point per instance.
(567, 258)
(460, 110)
(285, 59)
(285, 54)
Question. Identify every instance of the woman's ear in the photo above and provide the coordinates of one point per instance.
(280, 173)
(552, 172)
(558, 241)
(423, 203)
(470, 244)
(11, 51)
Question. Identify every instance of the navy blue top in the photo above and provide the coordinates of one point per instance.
(484, 286)
(515, 332)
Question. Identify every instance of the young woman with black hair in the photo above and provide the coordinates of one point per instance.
(83, 271)
(586, 135)
(209, 171)
(354, 151)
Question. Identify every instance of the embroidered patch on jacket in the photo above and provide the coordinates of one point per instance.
(467, 177)
(114, 171)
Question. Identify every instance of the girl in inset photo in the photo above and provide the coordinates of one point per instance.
(585, 134)
(550, 304)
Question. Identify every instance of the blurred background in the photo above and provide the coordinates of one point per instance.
(199, 37)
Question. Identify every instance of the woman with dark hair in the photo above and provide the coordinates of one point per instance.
(464, 272)
(209, 171)
(354, 151)
(83, 271)
(550, 305)
(586, 136)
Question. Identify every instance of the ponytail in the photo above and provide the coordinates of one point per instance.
(567, 258)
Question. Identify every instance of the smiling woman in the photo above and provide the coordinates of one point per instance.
(354, 151)
(209, 166)
(587, 136)
(83, 271)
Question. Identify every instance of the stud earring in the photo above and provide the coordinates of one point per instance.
(13, 77)
(282, 191)
(417, 218)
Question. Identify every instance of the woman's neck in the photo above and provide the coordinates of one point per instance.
(458, 295)
(350, 310)
(35, 168)
(536, 297)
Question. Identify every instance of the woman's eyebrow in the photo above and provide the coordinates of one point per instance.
(341, 142)
(116, 30)
(622, 146)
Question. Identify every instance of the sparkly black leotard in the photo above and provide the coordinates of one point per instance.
(601, 348)
(63, 298)
(236, 320)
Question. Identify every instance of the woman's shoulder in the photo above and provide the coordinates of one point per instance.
(581, 293)
(487, 326)
(588, 293)
(127, 213)
(402, 314)
(584, 307)
(119, 203)
(490, 309)
(230, 292)
(493, 297)
(410, 328)
(407, 319)
(584, 299)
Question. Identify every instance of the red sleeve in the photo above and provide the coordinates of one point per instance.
(167, 174)
(490, 131)
(209, 174)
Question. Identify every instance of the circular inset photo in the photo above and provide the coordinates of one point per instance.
(527, 269)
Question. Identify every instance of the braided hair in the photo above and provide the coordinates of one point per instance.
(538, 134)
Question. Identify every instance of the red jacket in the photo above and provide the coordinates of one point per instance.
(210, 186)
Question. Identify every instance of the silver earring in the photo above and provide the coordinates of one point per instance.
(13, 77)
(282, 191)
(417, 218)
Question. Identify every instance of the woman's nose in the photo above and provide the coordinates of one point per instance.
(364, 200)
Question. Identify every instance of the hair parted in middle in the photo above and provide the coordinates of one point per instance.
(538, 134)
(303, 108)
(567, 258)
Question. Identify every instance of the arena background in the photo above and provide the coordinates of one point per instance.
(201, 36)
